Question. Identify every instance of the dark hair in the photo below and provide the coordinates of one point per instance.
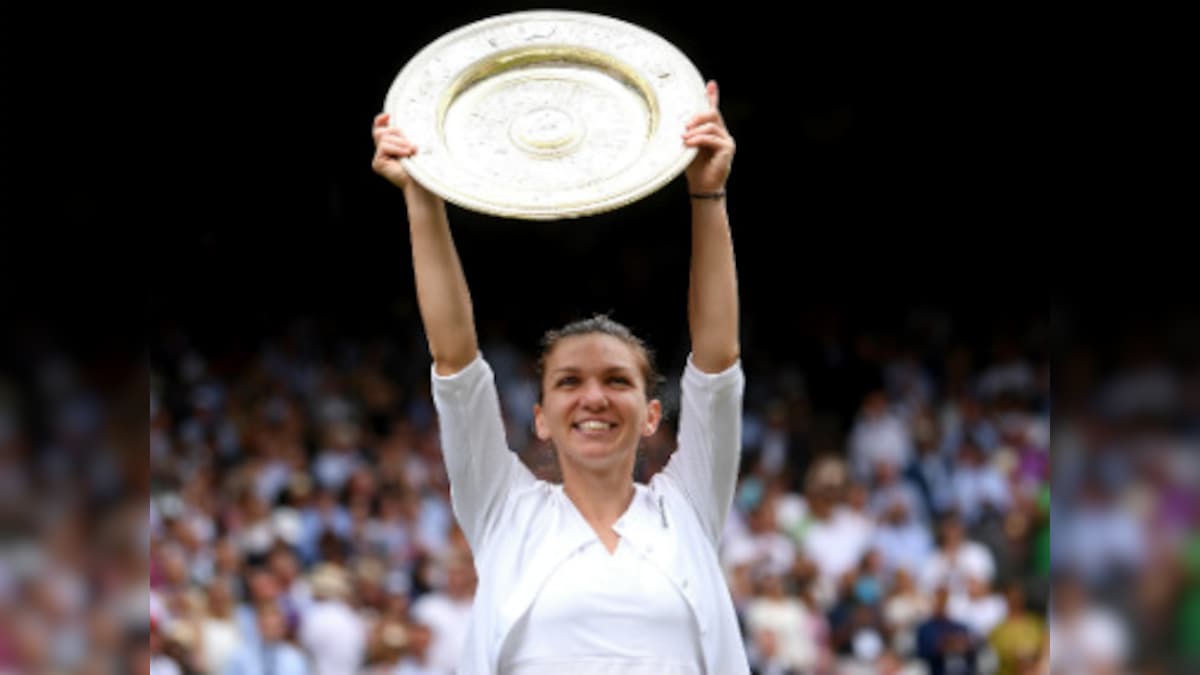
(602, 324)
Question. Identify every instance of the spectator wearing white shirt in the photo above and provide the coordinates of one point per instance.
(760, 547)
(792, 629)
(956, 559)
(835, 540)
(447, 611)
(978, 607)
(878, 435)
(1085, 638)
(330, 630)
(1100, 539)
(219, 637)
(905, 608)
(340, 456)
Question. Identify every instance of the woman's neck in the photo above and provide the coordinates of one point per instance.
(601, 497)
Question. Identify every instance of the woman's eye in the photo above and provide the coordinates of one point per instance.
(624, 381)
(567, 381)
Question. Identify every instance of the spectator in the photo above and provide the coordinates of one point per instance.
(980, 490)
(978, 608)
(944, 644)
(956, 559)
(330, 630)
(1086, 638)
(905, 608)
(1020, 639)
(878, 436)
(218, 629)
(761, 548)
(271, 654)
(835, 539)
(930, 469)
(903, 542)
(261, 587)
(160, 662)
(791, 644)
(445, 611)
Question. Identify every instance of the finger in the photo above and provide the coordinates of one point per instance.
(381, 120)
(397, 148)
(381, 133)
(710, 116)
(714, 95)
(709, 128)
(709, 142)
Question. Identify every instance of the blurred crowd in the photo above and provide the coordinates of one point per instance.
(293, 516)
(300, 519)
(74, 538)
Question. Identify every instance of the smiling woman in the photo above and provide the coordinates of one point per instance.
(598, 574)
(594, 407)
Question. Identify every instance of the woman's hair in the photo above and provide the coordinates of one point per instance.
(602, 324)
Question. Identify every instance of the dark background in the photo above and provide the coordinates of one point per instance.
(209, 169)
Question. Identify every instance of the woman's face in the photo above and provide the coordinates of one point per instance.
(594, 406)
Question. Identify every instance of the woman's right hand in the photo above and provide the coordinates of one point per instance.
(391, 145)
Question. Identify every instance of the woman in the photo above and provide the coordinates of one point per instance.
(598, 574)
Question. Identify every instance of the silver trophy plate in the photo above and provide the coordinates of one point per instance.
(546, 115)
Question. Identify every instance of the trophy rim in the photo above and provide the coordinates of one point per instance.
(478, 46)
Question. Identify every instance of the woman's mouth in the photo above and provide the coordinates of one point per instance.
(592, 426)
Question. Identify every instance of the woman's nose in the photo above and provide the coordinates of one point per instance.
(594, 397)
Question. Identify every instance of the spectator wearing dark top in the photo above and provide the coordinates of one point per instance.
(943, 644)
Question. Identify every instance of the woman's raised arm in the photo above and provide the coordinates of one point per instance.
(712, 288)
(442, 292)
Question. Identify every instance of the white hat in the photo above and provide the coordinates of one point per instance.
(329, 580)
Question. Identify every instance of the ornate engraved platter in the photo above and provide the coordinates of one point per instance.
(546, 114)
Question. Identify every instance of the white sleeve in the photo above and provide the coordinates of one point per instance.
(481, 468)
(709, 445)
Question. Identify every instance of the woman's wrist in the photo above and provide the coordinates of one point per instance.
(711, 192)
(414, 191)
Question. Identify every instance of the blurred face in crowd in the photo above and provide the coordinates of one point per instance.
(856, 496)
(762, 518)
(284, 565)
(952, 533)
(821, 501)
(594, 406)
(875, 405)
(263, 585)
(1068, 596)
(896, 514)
(220, 598)
(1015, 597)
(272, 625)
(227, 559)
(977, 587)
(940, 596)
(886, 473)
(772, 586)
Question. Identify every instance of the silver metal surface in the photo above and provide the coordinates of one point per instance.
(547, 114)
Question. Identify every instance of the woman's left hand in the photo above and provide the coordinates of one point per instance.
(710, 169)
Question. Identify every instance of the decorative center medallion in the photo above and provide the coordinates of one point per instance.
(546, 131)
